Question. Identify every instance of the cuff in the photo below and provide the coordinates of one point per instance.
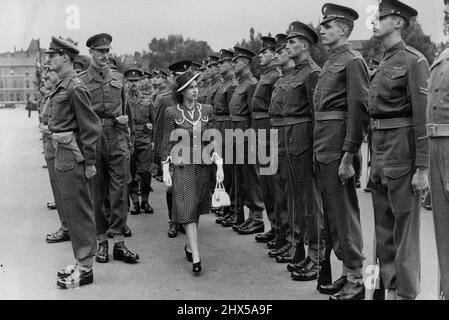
(351, 146)
(90, 162)
(166, 161)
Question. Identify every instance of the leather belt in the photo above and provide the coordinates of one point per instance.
(239, 119)
(289, 121)
(222, 118)
(331, 115)
(107, 122)
(260, 115)
(394, 123)
(437, 130)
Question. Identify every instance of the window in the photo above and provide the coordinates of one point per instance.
(14, 83)
(11, 97)
(28, 96)
(27, 84)
(18, 97)
(1, 97)
(27, 72)
(12, 71)
(1, 84)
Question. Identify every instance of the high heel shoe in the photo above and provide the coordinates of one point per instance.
(197, 268)
(188, 254)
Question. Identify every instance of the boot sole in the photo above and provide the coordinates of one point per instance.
(82, 282)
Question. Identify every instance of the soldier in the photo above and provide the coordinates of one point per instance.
(145, 87)
(78, 65)
(246, 180)
(295, 125)
(142, 157)
(261, 121)
(206, 79)
(165, 100)
(215, 77)
(75, 130)
(109, 103)
(50, 82)
(221, 109)
(438, 131)
(399, 167)
(154, 85)
(340, 103)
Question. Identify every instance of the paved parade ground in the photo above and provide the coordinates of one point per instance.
(234, 267)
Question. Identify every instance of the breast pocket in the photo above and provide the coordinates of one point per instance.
(263, 91)
(296, 90)
(116, 89)
(334, 78)
(393, 83)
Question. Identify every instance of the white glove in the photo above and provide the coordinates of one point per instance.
(166, 174)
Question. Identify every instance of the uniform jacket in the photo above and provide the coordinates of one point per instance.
(438, 104)
(223, 96)
(70, 110)
(142, 108)
(262, 94)
(342, 86)
(399, 90)
(243, 93)
(167, 100)
(210, 98)
(195, 123)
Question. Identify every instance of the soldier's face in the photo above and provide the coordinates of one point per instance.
(133, 85)
(56, 61)
(294, 47)
(266, 57)
(213, 70)
(330, 33)
(100, 57)
(52, 78)
(239, 65)
(223, 67)
(383, 26)
(282, 57)
(191, 92)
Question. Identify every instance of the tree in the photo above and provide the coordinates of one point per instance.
(413, 36)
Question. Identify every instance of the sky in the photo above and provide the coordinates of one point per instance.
(222, 23)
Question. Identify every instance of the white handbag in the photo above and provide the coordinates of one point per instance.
(220, 198)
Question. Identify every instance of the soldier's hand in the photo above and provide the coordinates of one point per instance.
(420, 181)
(346, 170)
(152, 146)
(90, 171)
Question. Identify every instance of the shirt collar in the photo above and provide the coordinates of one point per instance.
(65, 78)
(269, 69)
(243, 76)
(338, 50)
(391, 51)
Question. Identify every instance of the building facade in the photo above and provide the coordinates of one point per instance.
(18, 75)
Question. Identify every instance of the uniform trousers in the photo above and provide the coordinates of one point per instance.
(77, 205)
(439, 182)
(111, 181)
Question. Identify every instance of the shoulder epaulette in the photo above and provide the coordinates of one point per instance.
(235, 82)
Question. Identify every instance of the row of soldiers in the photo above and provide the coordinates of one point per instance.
(319, 114)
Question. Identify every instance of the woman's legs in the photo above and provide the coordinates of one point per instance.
(192, 237)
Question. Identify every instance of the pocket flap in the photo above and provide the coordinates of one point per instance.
(60, 97)
(397, 172)
(297, 84)
(117, 84)
(336, 68)
(395, 73)
(328, 157)
(65, 166)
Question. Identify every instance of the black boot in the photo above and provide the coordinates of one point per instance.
(136, 209)
(122, 253)
(145, 206)
(102, 255)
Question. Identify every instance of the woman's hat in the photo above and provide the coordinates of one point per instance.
(185, 79)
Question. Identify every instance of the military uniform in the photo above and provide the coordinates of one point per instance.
(245, 178)
(107, 90)
(340, 102)
(438, 131)
(261, 121)
(143, 118)
(50, 154)
(221, 103)
(397, 105)
(71, 115)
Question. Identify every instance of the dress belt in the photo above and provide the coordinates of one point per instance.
(394, 123)
(437, 130)
(331, 115)
(289, 121)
